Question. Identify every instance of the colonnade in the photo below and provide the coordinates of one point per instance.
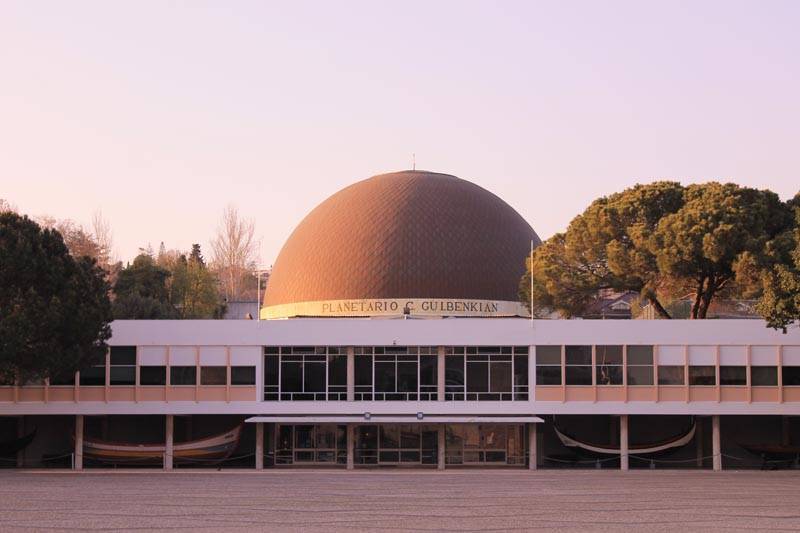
(533, 439)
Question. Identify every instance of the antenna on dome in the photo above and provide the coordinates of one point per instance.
(413, 161)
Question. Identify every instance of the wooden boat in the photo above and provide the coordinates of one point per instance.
(11, 447)
(208, 450)
(654, 448)
(773, 452)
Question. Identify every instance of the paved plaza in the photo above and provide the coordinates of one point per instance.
(401, 500)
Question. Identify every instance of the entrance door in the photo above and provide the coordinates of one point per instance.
(321, 444)
(484, 444)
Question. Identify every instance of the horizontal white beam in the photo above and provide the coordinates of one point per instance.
(396, 419)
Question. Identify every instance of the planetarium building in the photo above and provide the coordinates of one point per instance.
(391, 334)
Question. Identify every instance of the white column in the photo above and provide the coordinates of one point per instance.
(698, 441)
(531, 373)
(441, 448)
(716, 448)
(351, 374)
(440, 354)
(532, 442)
(259, 445)
(78, 462)
(20, 434)
(623, 442)
(168, 450)
(351, 444)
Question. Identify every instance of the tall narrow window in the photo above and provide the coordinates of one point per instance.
(454, 373)
(428, 372)
(521, 373)
(337, 375)
(271, 372)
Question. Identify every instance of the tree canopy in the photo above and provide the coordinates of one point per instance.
(167, 286)
(662, 240)
(54, 308)
(780, 276)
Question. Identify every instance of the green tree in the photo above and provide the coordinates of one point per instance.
(141, 291)
(661, 240)
(607, 246)
(193, 287)
(780, 276)
(54, 309)
(700, 246)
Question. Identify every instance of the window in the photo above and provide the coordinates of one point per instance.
(764, 376)
(243, 375)
(152, 375)
(521, 373)
(183, 375)
(640, 364)
(428, 373)
(791, 376)
(732, 375)
(94, 376)
(609, 365)
(454, 379)
(670, 375)
(337, 375)
(271, 370)
(123, 365)
(213, 375)
(548, 365)
(578, 361)
(363, 373)
(702, 375)
(303, 372)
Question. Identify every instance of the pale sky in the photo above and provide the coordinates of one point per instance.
(161, 113)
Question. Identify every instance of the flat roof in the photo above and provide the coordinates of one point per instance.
(444, 332)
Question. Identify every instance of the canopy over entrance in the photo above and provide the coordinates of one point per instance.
(420, 418)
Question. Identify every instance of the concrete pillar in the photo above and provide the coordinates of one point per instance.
(532, 442)
(259, 445)
(78, 460)
(20, 434)
(168, 450)
(351, 446)
(441, 448)
(698, 441)
(351, 374)
(540, 446)
(716, 448)
(440, 354)
(623, 442)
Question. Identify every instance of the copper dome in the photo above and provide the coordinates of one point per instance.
(411, 234)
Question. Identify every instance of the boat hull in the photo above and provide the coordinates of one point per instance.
(209, 450)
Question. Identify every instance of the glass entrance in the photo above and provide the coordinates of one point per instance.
(485, 444)
(320, 444)
(395, 444)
